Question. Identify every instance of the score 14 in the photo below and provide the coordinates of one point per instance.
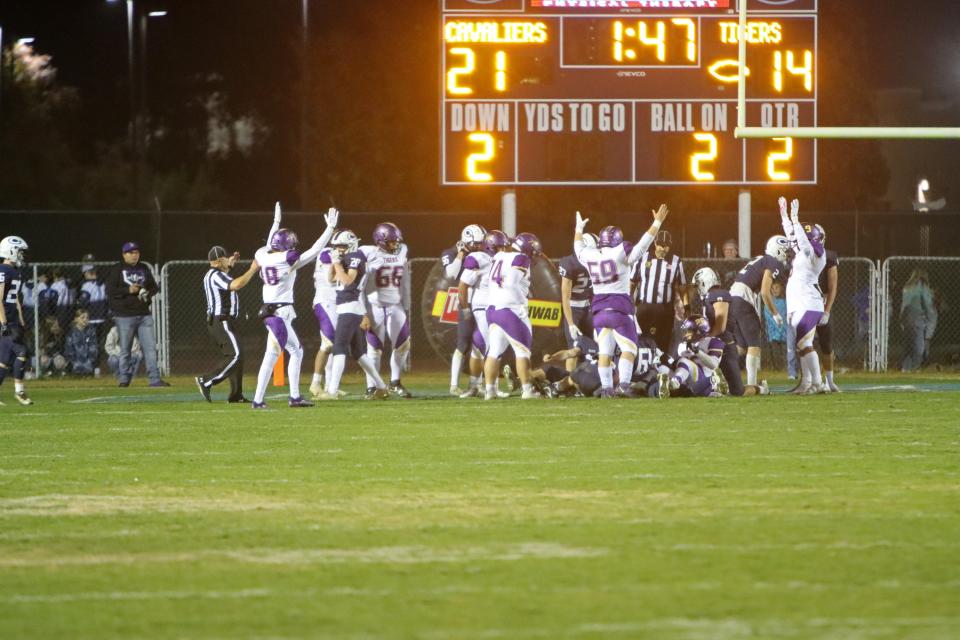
(702, 161)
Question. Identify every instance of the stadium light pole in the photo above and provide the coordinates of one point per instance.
(2, 67)
(132, 126)
(304, 96)
(142, 112)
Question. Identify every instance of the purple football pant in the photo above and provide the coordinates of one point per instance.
(612, 329)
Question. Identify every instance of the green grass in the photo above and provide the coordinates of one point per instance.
(821, 517)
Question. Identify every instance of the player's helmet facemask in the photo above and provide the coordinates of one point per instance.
(284, 240)
(610, 237)
(387, 237)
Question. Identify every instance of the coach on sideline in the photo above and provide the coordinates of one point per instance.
(130, 288)
(223, 309)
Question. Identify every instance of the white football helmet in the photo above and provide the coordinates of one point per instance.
(779, 248)
(12, 249)
(347, 239)
(590, 240)
(705, 279)
(472, 235)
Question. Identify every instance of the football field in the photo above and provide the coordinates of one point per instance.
(141, 513)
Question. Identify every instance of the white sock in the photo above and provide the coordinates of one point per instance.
(491, 390)
(266, 372)
(811, 363)
(366, 363)
(830, 377)
(626, 371)
(606, 376)
(317, 377)
(397, 357)
(373, 356)
(293, 372)
(753, 369)
(527, 388)
(336, 372)
(18, 386)
(455, 366)
(328, 368)
(475, 382)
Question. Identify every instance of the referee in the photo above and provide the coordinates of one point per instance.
(222, 311)
(656, 278)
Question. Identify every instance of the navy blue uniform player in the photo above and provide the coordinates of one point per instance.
(828, 285)
(716, 308)
(751, 289)
(576, 293)
(451, 261)
(350, 274)
(13, 349)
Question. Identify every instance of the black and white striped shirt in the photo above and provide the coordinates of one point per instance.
(656, 278)
(221, 301)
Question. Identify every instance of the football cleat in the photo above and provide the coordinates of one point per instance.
(2, 403)
(455, 390)
(124, 384)
(512, 377)
(472, 392)
(400, 391)
(502, 395)
(377, 394)
(721, 386)
(553, 391)
(316, 388)
(159, 383)
(237, 400)
(663, 381)
(22, 398)
(204, 390)
(533, 394)
(491, 396)
(833, 387)
(298, 403)
(323, 395)
(801, 389)
(606, 394)
(764, 388)
(259, 405)
(624, 391)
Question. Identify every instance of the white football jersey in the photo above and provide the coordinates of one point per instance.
(277, 274)
(609, 268)
(803, 287)
(385, 274)
(509, 280)
(324, 289)
(476, 275)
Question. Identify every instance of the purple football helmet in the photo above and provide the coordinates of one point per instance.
(284, 240)
(611, 237)
(528, 244)
(494, 241)
(695, 327)
(384, 234)
(816, 237)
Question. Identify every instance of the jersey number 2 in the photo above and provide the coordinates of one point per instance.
(11, 297)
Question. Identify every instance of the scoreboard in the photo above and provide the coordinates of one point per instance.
(624, 92)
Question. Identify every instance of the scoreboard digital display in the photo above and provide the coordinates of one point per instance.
(624, 92)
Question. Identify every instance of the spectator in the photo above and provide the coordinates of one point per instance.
(731, 251)
(918, 318)
(81, 348)
(93, 298)
(65, 297)
(131, 288)
(112, 348)
(776, 333)
(51, 359)
(31, 291)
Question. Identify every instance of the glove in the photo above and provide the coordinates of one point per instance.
(778, 320)
(144, 295)
(4, 329)
(335, 257)
(276, 213)
(574, 331)
(581, 222)
(824, 319)
(795, 211)
(461, 246)
(331, 217)
(782, 202)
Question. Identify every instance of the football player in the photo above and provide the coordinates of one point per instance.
(804, 298)
(279, 262)
(700, 356)
(829, 278)
(750, 289)
(575, 296)
(350, 274)
(614, 322)
(388, 300)
(473, 293)
(325, 310)
(471, 239)
(716, 307)
(13, 350)
(509, 324)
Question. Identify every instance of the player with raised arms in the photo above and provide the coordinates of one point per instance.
(575, 296)
(804, 298)
(388, 302)
(279, 262)
(13, 349)
(350, 275)
(509, 324)
(325, 310)
(451, 261)
(750, 289)
(614, 324)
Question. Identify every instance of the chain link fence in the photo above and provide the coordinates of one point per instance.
(920, 313)
(868, 319)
